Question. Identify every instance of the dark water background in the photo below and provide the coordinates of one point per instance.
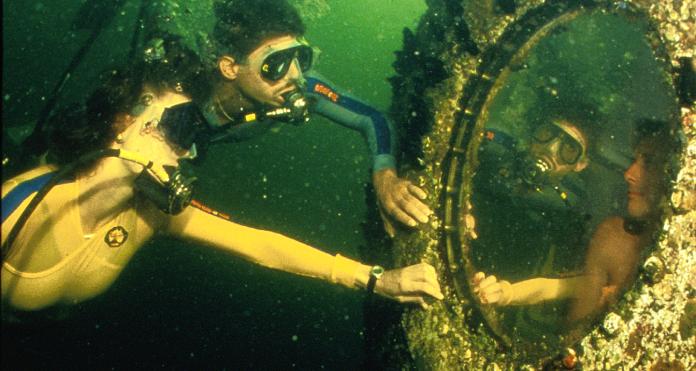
(181, 306)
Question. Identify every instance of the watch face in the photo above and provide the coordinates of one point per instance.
(377, 271)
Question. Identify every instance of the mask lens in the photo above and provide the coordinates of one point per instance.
(570, 151)
(545, 133)
(276, 65)
(305, 57)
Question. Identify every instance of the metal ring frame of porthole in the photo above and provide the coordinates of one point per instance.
(646, 325)
(479, 92)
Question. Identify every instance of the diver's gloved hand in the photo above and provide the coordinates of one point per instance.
(491, 291)
(399, 199)
(412, 284)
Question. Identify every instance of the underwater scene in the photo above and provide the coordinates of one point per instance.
(385, 185)
(180, 306)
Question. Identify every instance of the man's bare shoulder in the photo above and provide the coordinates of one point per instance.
(612, 225)
(611, 245)
(609, 238)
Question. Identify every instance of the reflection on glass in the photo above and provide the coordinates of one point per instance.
(616, 246)
(570, 177)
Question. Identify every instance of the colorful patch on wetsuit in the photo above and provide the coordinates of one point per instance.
(116, 236)
(326, 91)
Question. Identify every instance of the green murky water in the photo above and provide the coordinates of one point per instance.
(182, 306)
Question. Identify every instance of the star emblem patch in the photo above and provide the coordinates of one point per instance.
(116, 236)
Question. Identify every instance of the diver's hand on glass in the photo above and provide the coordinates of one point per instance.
(491, 291)
(412, 284)
(399, 199)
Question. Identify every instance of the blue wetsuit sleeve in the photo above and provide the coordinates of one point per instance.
(350, 112)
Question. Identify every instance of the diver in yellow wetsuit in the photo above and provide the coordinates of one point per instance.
(81, 236)
(86, 229)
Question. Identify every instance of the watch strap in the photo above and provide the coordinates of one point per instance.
(375, 273)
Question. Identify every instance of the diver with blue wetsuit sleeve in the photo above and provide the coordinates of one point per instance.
(126, 186)
(249, 93)
(400, 198)
(348, 111)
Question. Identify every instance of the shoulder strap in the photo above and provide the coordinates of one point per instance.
(18, 189)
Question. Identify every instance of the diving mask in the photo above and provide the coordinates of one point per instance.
(570, 149)
(185, 126)
(277, 64)
(557, 148)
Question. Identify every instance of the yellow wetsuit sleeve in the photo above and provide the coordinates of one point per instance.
(345, 271)
(267, 248)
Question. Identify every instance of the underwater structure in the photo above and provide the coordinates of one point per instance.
(476, 82)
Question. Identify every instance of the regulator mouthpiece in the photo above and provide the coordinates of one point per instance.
(295, 110)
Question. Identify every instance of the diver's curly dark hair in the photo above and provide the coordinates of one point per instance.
(242, 25)
(80, 128)
(180, 69)
(667, 138)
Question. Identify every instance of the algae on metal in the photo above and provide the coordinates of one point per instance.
(651, 327)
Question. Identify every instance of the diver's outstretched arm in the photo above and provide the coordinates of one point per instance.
(490, 290)
(410, 284)
(398, 198)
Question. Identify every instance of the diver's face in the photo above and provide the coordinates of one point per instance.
(559, 148)
(643, 181)
(251, 82)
